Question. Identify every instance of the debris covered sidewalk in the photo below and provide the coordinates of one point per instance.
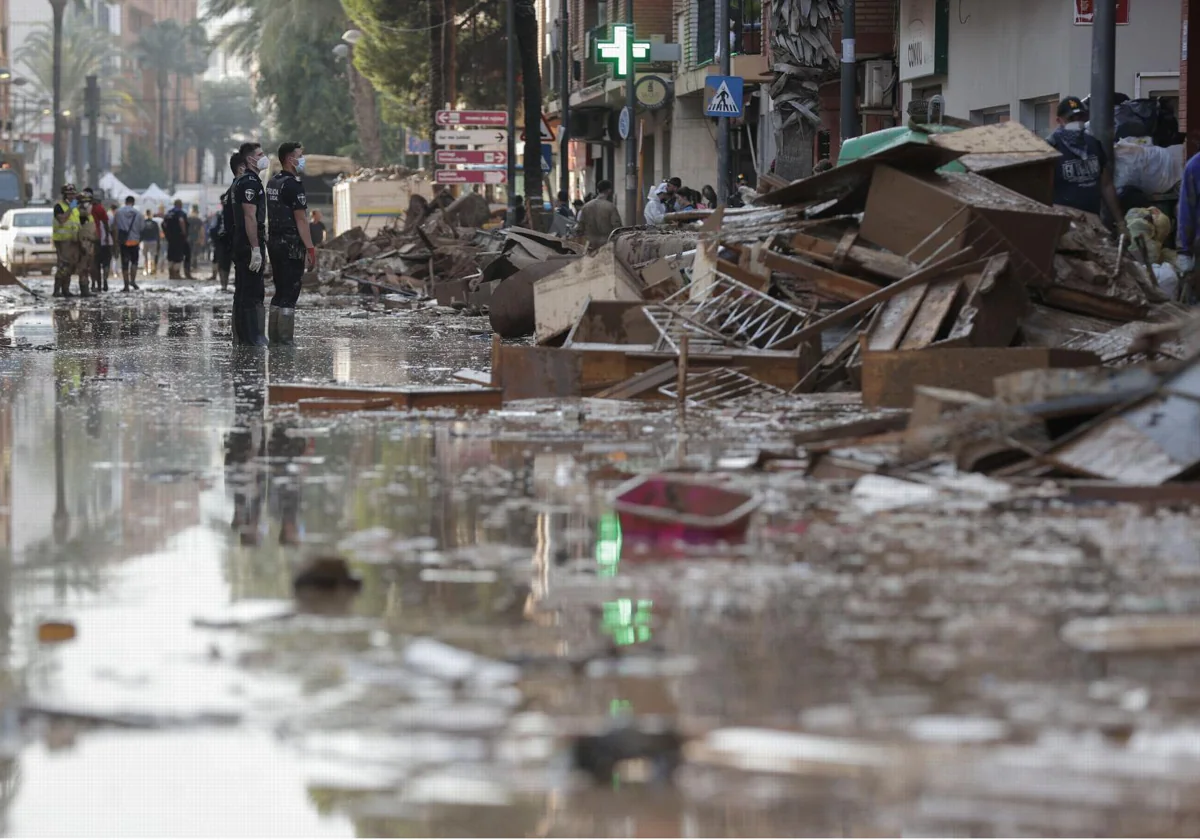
(1008, 336)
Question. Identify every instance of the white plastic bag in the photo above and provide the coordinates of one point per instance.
(1152, 169)
(1167, 279)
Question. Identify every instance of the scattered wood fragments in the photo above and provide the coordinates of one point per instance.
(1015, 338)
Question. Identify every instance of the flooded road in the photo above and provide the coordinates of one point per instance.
(505, 666)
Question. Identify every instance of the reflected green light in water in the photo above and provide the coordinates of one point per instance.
(627, 621)
(608, 545)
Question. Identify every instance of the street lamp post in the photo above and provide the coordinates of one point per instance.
(60, 163)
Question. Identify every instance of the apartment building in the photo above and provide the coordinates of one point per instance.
(678, 140)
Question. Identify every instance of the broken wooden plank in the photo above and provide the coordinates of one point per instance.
(843, 249)
(399, 398)
(475, 377)
(996, 304)
(883, 263)
(894, 318)
(935, 310)
(918, 277)
(826, 281)
(742, 275)
(889, 378)
(330, 405)
(641, 383)
(852, 430)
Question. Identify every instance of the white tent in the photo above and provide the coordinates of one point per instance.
(114, 189)
(153, 196)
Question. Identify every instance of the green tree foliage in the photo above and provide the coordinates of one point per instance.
(299, 77)
(309, 94)
(140, 167)
(394, 55)
(86, 52)
(225, 115)
(170, 48)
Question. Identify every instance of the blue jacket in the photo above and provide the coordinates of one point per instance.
(1189, 206)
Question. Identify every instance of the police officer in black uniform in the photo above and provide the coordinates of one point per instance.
(249, 237)
(290, 246)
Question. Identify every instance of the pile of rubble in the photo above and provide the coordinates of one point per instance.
(979, 322)
(438, 245)
(977, 319)
(395, 172)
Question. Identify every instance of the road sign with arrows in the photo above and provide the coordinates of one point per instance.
(470, 176)
(470, 136)
(470, 156)
(494, 118)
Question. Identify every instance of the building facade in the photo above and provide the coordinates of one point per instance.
(994, 62)
(677, 139)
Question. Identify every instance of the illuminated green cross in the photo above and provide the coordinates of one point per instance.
(623, 51)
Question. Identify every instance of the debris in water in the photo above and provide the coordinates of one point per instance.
(53, 632)
(1129, 633)
(602, 755)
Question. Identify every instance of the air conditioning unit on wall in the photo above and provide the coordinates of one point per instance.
(877, 84)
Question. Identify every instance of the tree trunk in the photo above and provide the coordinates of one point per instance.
(794, 151)
(200, 152)
(450, 48)
(176, 147)
(531, 86)
(60, 159)
(437, 82)
(366, 118)
(77, 149)
(162, 117)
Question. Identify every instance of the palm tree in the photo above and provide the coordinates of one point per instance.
(226, 111)
(86, 51)
(157, 50)
(803, 58)
(264, 30)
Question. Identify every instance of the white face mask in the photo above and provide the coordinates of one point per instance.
(300, 164)
(257, 164)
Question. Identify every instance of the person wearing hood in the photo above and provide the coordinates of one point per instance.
(656, 211)
(1083, 174)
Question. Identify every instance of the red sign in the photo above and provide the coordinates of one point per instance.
(1085, 12)
(472, 156)
(472, 118)
(470, 176)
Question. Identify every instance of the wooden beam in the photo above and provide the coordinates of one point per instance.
(883, 263)
(918, 277)
(826, 281)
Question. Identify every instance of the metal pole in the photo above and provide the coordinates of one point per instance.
(564, 99)
(93, 117)
(631, 149)
(850, 125)
(724, 167)
(511, 84)
(1104, 72)
(60, 162)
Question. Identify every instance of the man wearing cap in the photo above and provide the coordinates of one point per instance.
(1083, 177)
(65, 235)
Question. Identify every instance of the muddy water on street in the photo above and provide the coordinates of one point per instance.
(845, 673)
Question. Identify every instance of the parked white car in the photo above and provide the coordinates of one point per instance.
(25, 240)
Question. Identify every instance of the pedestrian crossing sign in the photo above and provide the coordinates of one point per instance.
(723, 96)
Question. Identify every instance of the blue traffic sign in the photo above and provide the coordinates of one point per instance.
(417, 146)
(547, 157)
(723, 96)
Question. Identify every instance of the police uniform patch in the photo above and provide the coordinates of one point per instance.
(302, 200)
(249, 195)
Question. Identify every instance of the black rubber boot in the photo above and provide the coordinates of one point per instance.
(287, 325)
(273, 325)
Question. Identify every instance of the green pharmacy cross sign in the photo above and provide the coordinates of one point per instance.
(622, 51)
